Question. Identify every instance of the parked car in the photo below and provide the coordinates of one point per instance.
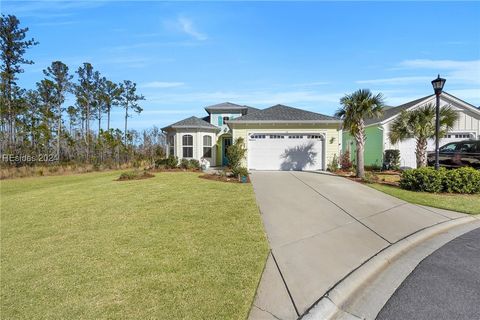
(457, 154)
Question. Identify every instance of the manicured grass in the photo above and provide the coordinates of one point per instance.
(88, 247)
(455, 202)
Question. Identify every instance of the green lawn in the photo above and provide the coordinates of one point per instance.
(88, 247)
(455, 202)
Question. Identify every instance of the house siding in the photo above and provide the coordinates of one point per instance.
(373, 155)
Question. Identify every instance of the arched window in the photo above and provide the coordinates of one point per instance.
(207, 146)
(187, 144)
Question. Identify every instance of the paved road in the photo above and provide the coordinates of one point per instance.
(445, 285)
(320, 228)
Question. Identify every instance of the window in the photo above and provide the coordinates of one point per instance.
(315, 136)
(276, 136)
(448, 148)
(258, 136)
(171, 146)
(207, 146)
(295, 137)
(468, 147)
(462, 136)
(225, 119)
(187, 143)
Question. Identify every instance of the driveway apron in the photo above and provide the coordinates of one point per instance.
(320, 228)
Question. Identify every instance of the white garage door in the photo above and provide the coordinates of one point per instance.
(281, 151)
(407, 147)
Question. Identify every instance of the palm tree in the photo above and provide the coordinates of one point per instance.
(355, 108)
(420, 125)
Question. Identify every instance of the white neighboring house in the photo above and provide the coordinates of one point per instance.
(377, 130)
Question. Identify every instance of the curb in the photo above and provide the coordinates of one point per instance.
(331, 304)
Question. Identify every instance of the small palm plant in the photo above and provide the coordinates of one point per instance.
(419, 124)
(355, 108)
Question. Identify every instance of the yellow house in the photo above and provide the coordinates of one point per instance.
(276, 138)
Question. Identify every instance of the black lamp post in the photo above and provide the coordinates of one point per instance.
(437, 87)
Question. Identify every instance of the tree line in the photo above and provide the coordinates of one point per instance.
(38, 121)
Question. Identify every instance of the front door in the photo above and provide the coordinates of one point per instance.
(227, 142)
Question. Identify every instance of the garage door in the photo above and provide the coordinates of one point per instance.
(407, 147)
(281, 151)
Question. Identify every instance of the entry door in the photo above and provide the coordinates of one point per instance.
(227, 142)
(280, 151)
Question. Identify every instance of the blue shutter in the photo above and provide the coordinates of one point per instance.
(220, 120)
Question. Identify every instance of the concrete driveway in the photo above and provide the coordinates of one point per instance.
(320, 228)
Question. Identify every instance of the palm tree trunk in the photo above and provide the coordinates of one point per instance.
(421, 153)
(360, 160)
(360, 139)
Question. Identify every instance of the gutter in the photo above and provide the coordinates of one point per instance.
(281, 121)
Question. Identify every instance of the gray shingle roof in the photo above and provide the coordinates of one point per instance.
(392, 111)
(225, 106)
(192, 122)
(283, 113)
(228, 107)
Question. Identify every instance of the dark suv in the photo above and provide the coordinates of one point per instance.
(458, 154)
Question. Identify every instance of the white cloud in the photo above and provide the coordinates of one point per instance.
(186, 25)
(464, 71)
(396, 80)
(161, 84)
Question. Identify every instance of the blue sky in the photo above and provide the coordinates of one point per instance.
(187, 55)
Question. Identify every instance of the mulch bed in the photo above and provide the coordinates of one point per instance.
(216, 177)
(351, 176)
(145, 175)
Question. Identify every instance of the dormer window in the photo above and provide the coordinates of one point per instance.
(225, 119)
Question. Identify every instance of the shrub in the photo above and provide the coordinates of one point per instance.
(130, 175)
(193, 164)
(160, 163)
(171, 162)
(423, 179)
(391, 159)
(134, 175)
(370, 177)
(236, 153)
(333, 165)
(345, 162)
(240, 172)
(462, 180)
(184, 163)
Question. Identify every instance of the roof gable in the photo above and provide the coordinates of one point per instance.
(391, 113)
(284, 114)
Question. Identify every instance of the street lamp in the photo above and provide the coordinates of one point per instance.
(437, 87)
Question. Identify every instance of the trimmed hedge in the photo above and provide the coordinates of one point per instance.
(462, 180)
